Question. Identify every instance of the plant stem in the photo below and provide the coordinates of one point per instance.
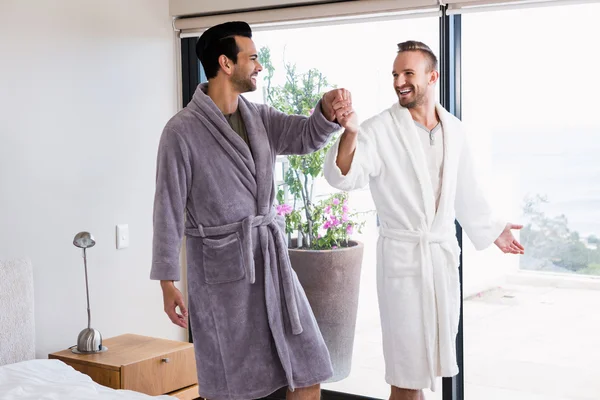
(306, 201)
(308, 210)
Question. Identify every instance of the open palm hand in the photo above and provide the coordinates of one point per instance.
(507, 243)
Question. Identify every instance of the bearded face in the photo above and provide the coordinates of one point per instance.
(413, 79)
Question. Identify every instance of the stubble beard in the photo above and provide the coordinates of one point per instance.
(418, 101)
(243, 84)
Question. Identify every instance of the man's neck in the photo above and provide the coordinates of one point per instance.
(223, 95)
(425, 114)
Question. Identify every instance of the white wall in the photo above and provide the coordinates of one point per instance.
(86, 88)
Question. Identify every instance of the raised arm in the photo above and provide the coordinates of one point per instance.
(298, 134)
(347, 118)
(353, 160)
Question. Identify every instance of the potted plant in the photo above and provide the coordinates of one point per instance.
(325, 258)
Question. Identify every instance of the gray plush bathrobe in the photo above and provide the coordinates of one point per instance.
(253, 329)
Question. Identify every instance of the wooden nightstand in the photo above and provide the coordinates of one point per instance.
(144, 364)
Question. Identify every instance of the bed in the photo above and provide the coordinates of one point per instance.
(55, 380)
(21, 376)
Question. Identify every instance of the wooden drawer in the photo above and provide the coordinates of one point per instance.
(138, 363)
(158, 375)
(105, 377)
(189, 393)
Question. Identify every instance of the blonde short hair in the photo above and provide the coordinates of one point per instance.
(413, 45)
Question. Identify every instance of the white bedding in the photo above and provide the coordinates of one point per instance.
(55, 380)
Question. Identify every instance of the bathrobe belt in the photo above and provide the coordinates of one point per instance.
(262, 223)
(431, 265)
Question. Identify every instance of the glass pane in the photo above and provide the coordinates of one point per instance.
(358, 57)
(530, 95)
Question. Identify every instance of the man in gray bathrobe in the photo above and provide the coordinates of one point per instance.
(253, 329)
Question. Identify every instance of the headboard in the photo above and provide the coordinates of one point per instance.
(17, 329)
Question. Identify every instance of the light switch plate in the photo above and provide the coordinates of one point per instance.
(122, 236)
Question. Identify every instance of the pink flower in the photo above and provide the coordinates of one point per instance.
(284, 209)
(335, 221)
(345, 201)
(345, 208)
(328, 209)
(334, 247)
(311, 111)
(326, 225)
(345, 217)
(349, 229)
(336, 201)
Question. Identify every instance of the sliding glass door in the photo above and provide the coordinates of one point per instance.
(530, 91)
(358, 56)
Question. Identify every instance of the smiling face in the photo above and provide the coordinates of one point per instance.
(414, 78)
(247, 67)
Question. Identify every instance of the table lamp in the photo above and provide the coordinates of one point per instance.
(89, 340)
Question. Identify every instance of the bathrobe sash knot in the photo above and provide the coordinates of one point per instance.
(263, 223)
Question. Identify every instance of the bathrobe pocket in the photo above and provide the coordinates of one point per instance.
(401, 259)
(222, 259)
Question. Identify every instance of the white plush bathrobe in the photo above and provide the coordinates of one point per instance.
(417, 251)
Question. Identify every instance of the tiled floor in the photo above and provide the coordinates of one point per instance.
(532, 343)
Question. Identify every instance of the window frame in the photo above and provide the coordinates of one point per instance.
(450, 98)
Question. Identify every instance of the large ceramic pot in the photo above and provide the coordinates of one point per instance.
(331, 280)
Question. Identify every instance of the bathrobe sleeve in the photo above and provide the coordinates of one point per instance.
(473, 211)
(366, 163)
(173, 179)
(298, 134)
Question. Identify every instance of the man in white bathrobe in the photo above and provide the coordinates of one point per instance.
(416, 158)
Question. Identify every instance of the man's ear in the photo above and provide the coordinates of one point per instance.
(226, 64)
(434, 76)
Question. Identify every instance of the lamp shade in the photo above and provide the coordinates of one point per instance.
(84, 240)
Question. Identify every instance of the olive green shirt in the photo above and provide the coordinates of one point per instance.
(237, 124)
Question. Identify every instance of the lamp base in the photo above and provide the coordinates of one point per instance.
(102, 350)
(89, 341)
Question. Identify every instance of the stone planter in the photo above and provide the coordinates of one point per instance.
(331, 280)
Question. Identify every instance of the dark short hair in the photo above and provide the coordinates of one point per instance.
(220, 40)
(413, 45)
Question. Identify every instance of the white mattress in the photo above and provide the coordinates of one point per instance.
(55, 380)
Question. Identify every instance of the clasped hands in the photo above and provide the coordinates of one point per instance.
(337, 106)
